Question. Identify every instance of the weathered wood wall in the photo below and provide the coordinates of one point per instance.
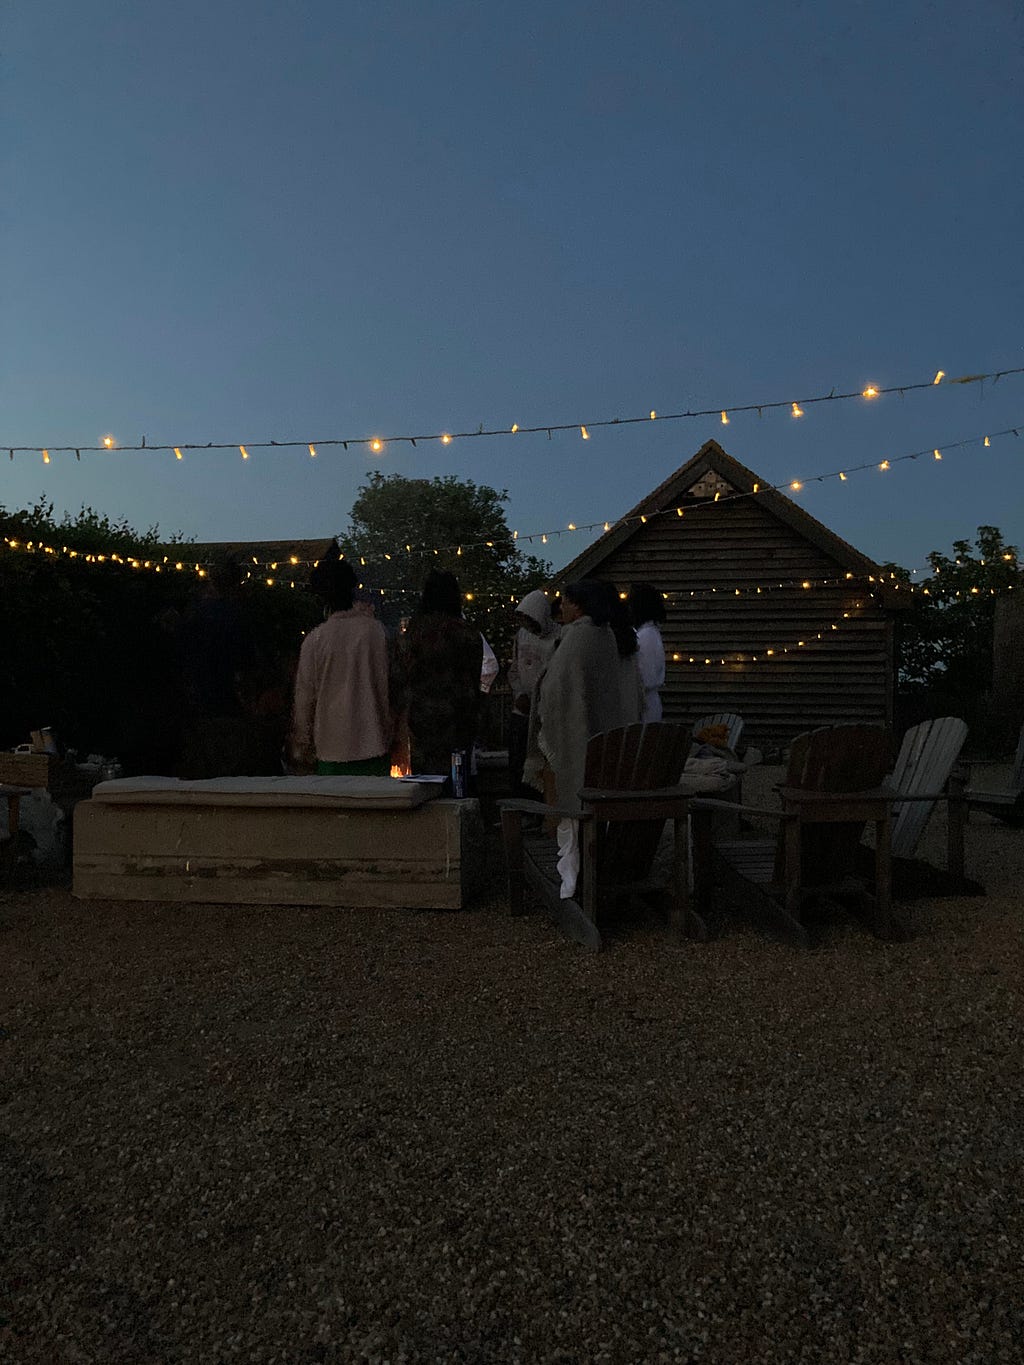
(845, 677)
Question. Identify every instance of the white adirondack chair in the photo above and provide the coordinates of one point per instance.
(1008, 805)
(733, 723)
(922, 771)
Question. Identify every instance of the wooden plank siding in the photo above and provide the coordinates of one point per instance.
(844, 677)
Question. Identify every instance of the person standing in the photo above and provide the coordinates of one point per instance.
(647, 609)
(582, 693)
(440, 668)
(341, 715)
(532, 649)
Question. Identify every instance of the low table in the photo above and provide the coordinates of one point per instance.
(342, 841)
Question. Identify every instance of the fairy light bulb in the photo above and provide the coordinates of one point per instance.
(755, 488)
(607, 526)
(842, 477)
(245, 453)
(870, 392)
(796, 485)
(177, 453)
(376, 445)
(797, 410)
(572, 526)
(46, 457)
(885, 465)
(653, 414)
(515, 427)
(939, 377)
(446, 439)
(987, 442)
(725, 418)
(108, 442)
(312, 451)
(937, 454)
(585, 433)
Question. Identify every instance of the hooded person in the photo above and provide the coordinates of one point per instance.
(341, 715)
(584, 691)
(532, 649)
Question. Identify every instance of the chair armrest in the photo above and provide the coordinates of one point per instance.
(595, 795)
(519, 806)
(699, 803)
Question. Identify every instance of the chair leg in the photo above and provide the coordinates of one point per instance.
(955, 821)
(683, 917)
(883, 877)
(512, 836)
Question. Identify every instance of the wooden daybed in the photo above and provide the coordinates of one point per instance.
(345, 841)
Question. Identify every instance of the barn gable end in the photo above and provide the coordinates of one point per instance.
(730, 647)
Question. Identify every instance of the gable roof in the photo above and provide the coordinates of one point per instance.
(711, 458)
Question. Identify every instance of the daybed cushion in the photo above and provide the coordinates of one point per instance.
(339, 793)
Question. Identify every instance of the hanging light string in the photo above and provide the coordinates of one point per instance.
(378, 443)
(642, 518)
(287, 564)
(721, 591)
(801, 646)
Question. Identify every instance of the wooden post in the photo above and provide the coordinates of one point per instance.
(883, 875)
(512, 837)
(955, 822)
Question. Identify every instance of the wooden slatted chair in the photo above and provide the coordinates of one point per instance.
(832, 789)
(733, 723)
(631, 788)
(924, 775)
(1008, 805)
(922, 771)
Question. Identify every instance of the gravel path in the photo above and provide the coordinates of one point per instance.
(296, 1135)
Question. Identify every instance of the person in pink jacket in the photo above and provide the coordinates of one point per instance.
(341, 716)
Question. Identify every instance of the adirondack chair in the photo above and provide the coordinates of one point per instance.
(733, 723)
(832, 789)
(1008, 805)
(632, 788)
(922, 776)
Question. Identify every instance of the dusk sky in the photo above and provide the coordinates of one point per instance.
(249, 220)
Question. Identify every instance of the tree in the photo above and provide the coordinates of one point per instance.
(401, 528)
(946, 640)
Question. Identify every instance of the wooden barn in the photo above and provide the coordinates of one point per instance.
(770, 614)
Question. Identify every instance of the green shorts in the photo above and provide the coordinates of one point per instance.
(360, 767)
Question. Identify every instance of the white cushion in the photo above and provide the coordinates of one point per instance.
(356, 793)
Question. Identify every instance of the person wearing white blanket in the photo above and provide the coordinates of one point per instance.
(583, 692)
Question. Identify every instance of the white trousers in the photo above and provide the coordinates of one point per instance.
(568, 865)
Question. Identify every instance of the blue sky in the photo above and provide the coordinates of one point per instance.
(256, 220)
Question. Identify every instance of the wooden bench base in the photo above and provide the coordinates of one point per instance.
(430, 857)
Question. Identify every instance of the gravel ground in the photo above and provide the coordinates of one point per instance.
(304, 1135)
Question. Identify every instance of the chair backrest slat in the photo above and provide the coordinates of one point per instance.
(925, 762)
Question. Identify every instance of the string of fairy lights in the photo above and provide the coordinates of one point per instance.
(377, 444)
(282, 571)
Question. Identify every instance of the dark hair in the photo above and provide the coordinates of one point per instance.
(646, 603)
(602, 604)
(334, 579)
(441, 594)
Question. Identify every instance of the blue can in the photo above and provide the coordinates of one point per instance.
(459, 789)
